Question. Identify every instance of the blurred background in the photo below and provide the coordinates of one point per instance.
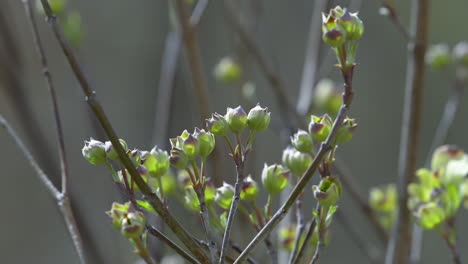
(122, 49)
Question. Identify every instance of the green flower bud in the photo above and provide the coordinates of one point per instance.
(168, 184)
(438, 56)
(249, 190)
(258, 118)
(346, 131)
(191, 199)
(384, 199)
(57, 6)
(328, 192)
(224, 196)
(274, 178)
(185, 134)
(217, 125)
(236, 118)
(206, 140)
(327, 97)
(110, 150)
(302, 141)
(228, 71)
(210, 192)
(352, 25)
(287, 236)
(320, 127)
(297, 162)
(117, 212)
(133, 224)
(157, 162)
(94, 151)
(460, 53)
(191, 147)
(178, 158)
(332, 33)
(430, 215)
(443, 154)
(135, 156)
(456, 171)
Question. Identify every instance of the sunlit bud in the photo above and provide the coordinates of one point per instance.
(94, 151)
(332, 33)
(236, 118)
(110, 150)
(320, 127)
(443, 154)
(224, 195)
(228, 70)
(133, 224)
(178, 158)
(460, 53)
(249, 190)
(117, 212)
(191, 147)
(352, 25)
(302, 141)
(210, 192)
(206, 140)
(430, 215)
(328, 192)
(274, 178)
(157, 162)
(383, 199)
(297, 162)
(287, 236)
(346, 131)
(258, 118)
(168, 184)
(438, 56)
(217, 125)
(135, 156)
(191, 199)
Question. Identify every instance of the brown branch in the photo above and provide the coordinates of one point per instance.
(398, 250)
(149, 195)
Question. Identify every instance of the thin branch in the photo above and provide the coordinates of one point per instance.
(238, 249)
(301, 184)
(198, 11)
(299, 228)
(156, 233)
(149, 195)
(312, 58)
(321, 234)
(398, 250)
(307, 238)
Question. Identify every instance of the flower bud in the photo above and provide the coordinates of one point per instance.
(249, 190)
(117, 212)
(302, 141)
(430, 215)
(133, 225)
(287, 236)
(443, 154)
(328, 192)
(217, 125)
(384, 199)
(460, 53)
(332, 33)
(210, 192)
(346, 131)
(236, 118)
(168, 184)
(320, 127)
(327, 97)
(224, 195)
(206, 140)
(135, 156)
(191, 147)
(110, 150)
(456, 171)
(191, 199)
(94, 151)
(352, 25)
(227, 70)
(178, 158)
(258, 118)
(274, 178)
(438, 56)
(297, 162)
(157, 162)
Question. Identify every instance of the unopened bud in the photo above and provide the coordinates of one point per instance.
(217, 125)
(249, 190)
(297, 162)
(110, 150)
(191, 147)
(430, 215)
(94, 151)
(178, 158)
(258, 118)
(443, 154)
(157, 162)
(236, 118)
(274, 178)
(224, 195)
(346, 131)
(328, 192)
(206, 141)
(320, 127)
(438, 56)
(133, 224)
(302, 141)
(227, 70)
(117, 212)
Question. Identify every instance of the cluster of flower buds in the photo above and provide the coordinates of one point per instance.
(228, 71)
(191, 198)
(328, 192)
(340, 25)
(131, 223)
(236, 120)
(441, 190)
(188, 147)
(274, 178)
(439, 57)
(384, 200)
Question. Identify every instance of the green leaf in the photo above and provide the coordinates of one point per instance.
(331, 211)
(146, 205)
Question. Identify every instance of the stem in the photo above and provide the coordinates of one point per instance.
(142, 251)
(299, 229)
(269, 206)
(308, 237)
(235, 201)
(321, 232)
(398, 250)
(148, 194)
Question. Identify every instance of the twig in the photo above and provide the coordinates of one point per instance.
(299, 229)
(299, 187)
(321, 234)
(156, 233)
(149, 195)
(311, 63)
(198, 12)
(400, 240)
(238, 249)
(307, 238)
